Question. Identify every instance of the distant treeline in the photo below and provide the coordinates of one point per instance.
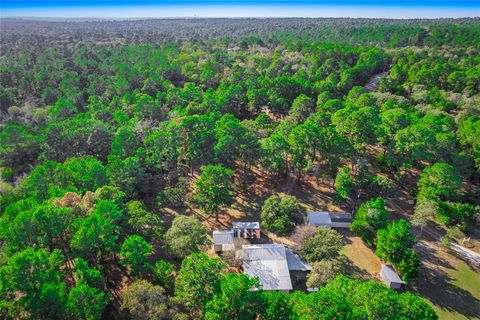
(18, 33)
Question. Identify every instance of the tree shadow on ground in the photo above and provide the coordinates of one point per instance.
(347, 234)
(311, 196)
(355, 272)
(435, 284)
(428, 255)
(115, 277)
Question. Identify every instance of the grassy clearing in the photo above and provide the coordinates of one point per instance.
(466, 278)
(447, 283)
(362, 257)
(444, 314)
(456, 295)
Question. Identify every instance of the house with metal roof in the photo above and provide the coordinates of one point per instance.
(298, 269)
(390, 277)
(247, 230)
(273, 264)
(330, 219)
(295, 263)
(223, 240)
(268, 262)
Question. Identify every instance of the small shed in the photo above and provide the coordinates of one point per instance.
(223, 240)
(390, 277)
(319, 219)
(247, 230)
(341, 219)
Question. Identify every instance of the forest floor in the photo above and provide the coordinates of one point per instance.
(445, 280)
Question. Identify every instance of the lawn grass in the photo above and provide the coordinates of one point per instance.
(466, 278)
(446, 298)
(362, 256)
(444, 314)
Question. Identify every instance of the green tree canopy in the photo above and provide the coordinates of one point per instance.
(280, 215)
(343, 183)
(86, 303)
(142, 300)
(185, 236)
(370, 217)
(142, 222)
(302, 107)
(163, 273)
(394, 244)
(393, 240)
(352, 299)
(324, 271)
(235, 142)
(199, 279)
(31, 281)
(235, 299)
(439, 180)
(214, 188)
(134, 253)
(324, 244)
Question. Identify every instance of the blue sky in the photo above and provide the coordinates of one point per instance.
(235, 8)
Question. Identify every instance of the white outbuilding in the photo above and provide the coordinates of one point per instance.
(390, 277)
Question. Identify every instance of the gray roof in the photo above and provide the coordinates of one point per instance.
(246, 225)
(223, 237)
(340, 216)
(319, 218)
(295, 262)
(388, 274)
(268, 262)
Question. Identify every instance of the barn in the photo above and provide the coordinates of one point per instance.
(319, 219)
(341, 219)
(330, 219)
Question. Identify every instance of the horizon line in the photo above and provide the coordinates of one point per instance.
(259, 10)
(227, 17)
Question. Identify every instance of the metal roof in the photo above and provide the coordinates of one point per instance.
(340, 216)
(246, 225)
(295, 262)
(223, 237)
(319, 218)
(268, 262)
(389, 274)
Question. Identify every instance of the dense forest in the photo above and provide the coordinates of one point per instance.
(114, 132)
